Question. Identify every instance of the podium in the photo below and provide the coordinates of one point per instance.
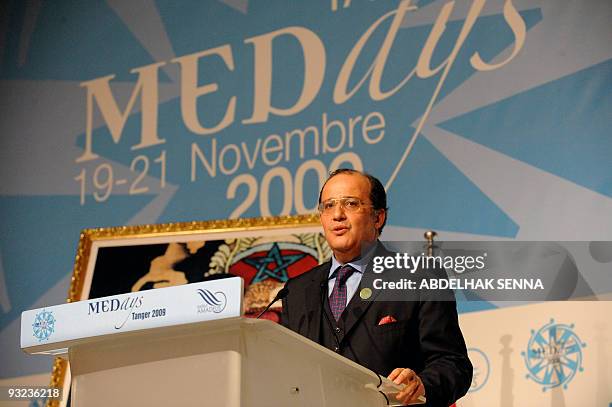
(234, 362)
(223, 362)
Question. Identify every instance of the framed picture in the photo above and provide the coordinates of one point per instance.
(265, 252)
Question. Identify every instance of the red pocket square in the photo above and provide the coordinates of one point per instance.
(387, 320)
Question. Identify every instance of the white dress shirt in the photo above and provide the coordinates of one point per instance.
(352, 283)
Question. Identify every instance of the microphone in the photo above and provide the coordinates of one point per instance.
(279, 296)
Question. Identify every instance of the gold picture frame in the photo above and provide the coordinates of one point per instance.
(233, 241)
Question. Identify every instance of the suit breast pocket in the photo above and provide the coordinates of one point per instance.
(392, 328)
(391, 340)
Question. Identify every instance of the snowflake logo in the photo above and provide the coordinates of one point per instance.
(554, 355)
(44, 325)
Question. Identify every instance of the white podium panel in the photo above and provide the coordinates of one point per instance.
(44, 329)
(184, 381)
(231, 362)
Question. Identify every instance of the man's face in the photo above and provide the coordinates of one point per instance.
(345, 231)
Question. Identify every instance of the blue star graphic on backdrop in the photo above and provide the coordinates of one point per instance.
(274, 257)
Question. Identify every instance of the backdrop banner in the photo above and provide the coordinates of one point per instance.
(485, 120)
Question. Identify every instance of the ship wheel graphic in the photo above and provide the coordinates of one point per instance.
(554, 355)
(44, 325)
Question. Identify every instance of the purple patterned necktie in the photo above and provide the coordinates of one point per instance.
(337, 299)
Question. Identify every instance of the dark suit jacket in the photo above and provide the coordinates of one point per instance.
(426, 337)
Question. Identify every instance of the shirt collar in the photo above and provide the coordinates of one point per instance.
(359, 264)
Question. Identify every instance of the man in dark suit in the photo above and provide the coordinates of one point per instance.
(416, 341)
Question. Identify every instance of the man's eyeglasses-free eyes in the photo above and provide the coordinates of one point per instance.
(350, 205)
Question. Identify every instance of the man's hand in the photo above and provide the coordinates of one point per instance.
(414, 386)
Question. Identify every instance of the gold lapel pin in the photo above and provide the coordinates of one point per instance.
(365, 293)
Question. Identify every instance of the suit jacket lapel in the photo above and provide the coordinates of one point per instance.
(357, 307)
(314, 301)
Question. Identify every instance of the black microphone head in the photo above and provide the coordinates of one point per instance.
(282, 293)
